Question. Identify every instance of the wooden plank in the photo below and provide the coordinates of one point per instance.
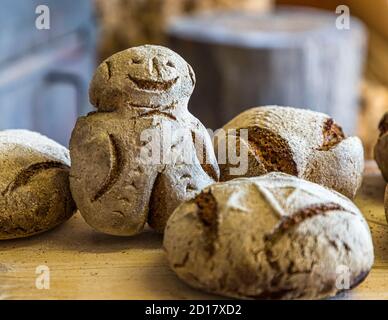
(85, 264)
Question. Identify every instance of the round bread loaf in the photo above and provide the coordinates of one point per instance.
(386, 202)
(34, 184)
(141, 95)
(304, 143)
(381, 155)
(274, 236)
(381, 147)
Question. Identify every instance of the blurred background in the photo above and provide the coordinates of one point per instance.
(302, 53)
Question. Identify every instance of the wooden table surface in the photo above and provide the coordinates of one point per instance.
(84, 264)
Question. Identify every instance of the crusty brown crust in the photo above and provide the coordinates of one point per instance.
(300, 216)
(272, 150)
(304, 143)
(208, 215)
(381, 147)
(332, 135)
(386, 202)
(34, 184)
(383, 124)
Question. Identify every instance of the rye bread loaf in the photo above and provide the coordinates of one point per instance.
(34, 184)
(138, 91)
(381, 147)
(304, 143)
(386, 202)
(381, 155)
(274, 236)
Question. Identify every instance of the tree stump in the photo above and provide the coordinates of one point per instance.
(292, 57)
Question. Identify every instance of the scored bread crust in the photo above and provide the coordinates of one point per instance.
(34, 184)
(381, 147)
(274, 236)
(381, 155)
(300, 142)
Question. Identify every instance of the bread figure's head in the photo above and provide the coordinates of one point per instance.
(147, 76)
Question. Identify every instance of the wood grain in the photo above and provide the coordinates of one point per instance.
(85, 264)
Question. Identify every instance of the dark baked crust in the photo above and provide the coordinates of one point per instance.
(272, 150)
(381, 147)
(332, 135)
(304, 143)
(383, 124)
(208, 215)
(24, 212)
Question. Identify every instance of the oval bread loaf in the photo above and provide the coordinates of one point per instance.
(381, 147)
(381, 155)
(304, 143)
(34, 184)
(274, 236)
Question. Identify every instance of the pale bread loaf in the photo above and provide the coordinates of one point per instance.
(269, 237)
(304, 143)
(34, 184)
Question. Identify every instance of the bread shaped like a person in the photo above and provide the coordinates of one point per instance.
(141, 94)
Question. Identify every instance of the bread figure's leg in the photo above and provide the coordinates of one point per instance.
(181, 181)
(173, 186)
(111, 190)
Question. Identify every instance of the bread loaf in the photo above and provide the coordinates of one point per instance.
(34, 184)
(304, 143)
(274, 236)
(386, 202)
(381, 147)
(139, 91)
(381, 154)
